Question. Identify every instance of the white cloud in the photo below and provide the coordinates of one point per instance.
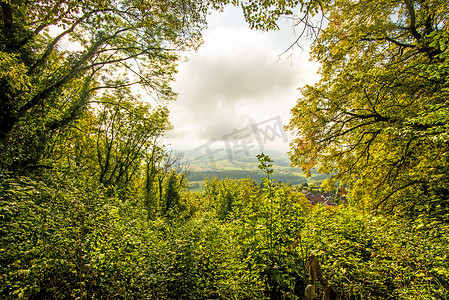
(236, 76)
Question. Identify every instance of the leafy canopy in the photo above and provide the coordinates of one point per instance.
(379, 115)
(56, 56)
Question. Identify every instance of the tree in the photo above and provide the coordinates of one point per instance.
(109, 145)
(44, 85)
(171, 195)
(264, 14)
(378, 116)
(126, 131)
(161, 169)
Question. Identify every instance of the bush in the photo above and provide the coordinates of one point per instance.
(373, 257)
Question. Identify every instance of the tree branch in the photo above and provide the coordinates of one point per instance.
(389, 39)
(411, 13)
(52, 45)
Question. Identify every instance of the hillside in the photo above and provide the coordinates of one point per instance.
(244, 166)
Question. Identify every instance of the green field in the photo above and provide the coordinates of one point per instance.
(246, 167)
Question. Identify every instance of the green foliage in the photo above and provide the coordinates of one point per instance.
(44, 86)
(66, 241)
(172, 199)
(372, 257)
(225, 195)
(378, 116)
(72, 240)
(110, 143)
(281, 213)
(264, 14)
(104, 211)
(265, 163)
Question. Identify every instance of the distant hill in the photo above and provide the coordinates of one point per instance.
(239, 165)
(221, 160)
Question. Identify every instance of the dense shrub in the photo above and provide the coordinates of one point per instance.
(374, 257)
(67, 240)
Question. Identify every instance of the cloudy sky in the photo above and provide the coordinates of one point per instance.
(236, 82)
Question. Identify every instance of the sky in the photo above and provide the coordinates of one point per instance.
(237, 90)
